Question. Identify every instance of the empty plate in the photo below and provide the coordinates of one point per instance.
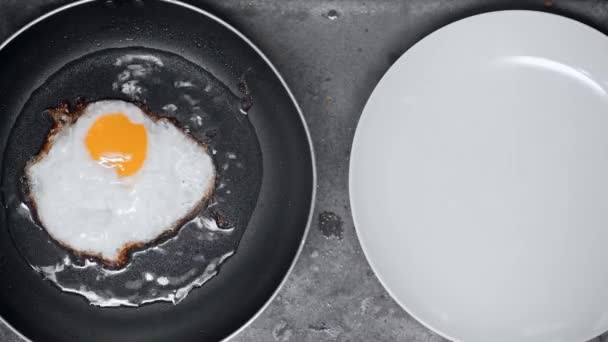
(479, 179)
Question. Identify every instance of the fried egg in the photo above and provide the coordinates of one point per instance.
(112, 177)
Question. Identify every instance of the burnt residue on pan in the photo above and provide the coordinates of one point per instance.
(173, 87)
(247, 98)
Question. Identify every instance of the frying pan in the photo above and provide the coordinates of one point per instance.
(67, 55)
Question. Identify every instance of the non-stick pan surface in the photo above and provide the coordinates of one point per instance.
(67, 56)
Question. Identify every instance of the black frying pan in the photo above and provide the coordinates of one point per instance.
(245, 109)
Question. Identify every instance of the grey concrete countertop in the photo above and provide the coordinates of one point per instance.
(332, 54)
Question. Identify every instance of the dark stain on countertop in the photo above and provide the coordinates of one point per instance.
(320, 327)
(331, 224)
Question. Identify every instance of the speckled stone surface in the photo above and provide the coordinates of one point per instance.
(332, 53)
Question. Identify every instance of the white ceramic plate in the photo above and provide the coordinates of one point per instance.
(479, 179)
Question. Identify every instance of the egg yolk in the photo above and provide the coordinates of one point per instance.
(116, 142)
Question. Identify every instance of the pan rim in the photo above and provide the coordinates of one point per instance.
(243, 37)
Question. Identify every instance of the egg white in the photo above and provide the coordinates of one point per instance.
(93, 211)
